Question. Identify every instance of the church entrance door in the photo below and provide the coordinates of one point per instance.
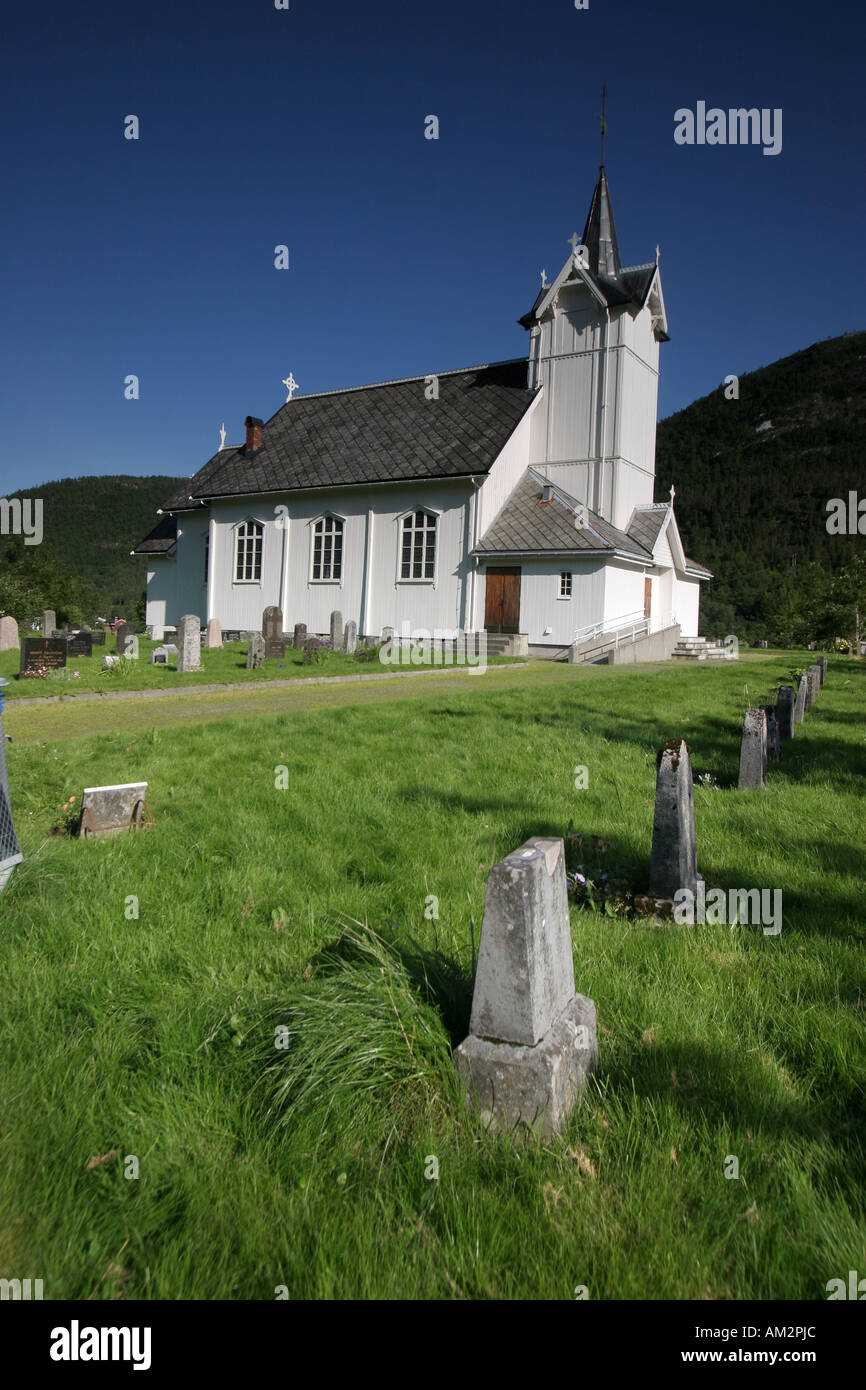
(502, 603)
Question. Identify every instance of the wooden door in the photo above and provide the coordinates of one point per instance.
(647, 596)
(502, 602)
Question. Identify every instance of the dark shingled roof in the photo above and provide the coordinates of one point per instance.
(161, 539)
(373, 434)
(526, 524)
(646, 522)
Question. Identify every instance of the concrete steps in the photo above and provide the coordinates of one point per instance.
(699, 649)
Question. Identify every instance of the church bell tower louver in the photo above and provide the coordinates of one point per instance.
(594, 344)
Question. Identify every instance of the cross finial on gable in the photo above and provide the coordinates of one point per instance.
(574, 241)
(222, 435)
(291, 386)
(544, 279)
(673, 494)
(658, 253)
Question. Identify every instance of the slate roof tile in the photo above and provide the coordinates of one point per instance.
(384, 433)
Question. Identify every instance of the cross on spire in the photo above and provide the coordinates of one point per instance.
(291, 386)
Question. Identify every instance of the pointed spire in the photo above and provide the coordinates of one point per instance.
(599, 234)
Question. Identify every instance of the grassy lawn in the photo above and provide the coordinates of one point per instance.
(152, 1036)
(226, 665)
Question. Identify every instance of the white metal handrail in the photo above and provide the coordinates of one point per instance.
(625, 628)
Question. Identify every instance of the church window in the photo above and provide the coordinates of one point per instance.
(328, 548)
(248, 552)
(565, 584)
(418, 549)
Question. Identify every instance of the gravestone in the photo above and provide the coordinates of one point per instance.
(110, 660)
(785, 711)
(214, 635)
(673, 862)
(256, 652)
(159, 656)
(387, 635)
(532, 1040)
(350, 637)
(189, 643)
(774, 748)
(10, 851)
(814, 677)
(272, 631)
(98, 637)
(121, 632)
(49, 622)
(109, 810)
(753, 750)
(336, 630)
(822, 663)
(80, 644)
(8, 634)
(801, 702)
(300, 636)
(42, 651)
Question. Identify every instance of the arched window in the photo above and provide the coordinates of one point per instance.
(248, 552)
(418, 552)
(328, 548)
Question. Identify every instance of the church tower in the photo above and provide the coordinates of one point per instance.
(594, 348)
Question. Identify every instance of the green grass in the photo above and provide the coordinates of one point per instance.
(226, 665)
(305, 1166)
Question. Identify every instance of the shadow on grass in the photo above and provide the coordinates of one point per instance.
(738, 1090)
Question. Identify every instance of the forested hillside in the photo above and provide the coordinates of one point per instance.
(90, 525)
(753, 477)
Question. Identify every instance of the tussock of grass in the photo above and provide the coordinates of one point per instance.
(363, 1051)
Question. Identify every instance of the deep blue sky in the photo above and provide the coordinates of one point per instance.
(408, 256)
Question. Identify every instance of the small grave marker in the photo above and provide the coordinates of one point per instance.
(300, 636)
(8, 634)
(532, 1040)
(39, 652)
(272, 632)
(785, 711)
(108, 810)
(801, 703)
(350, 637)
(189, 643)
(673, 863)
(336, 630)
(256, 652)
(753, 750)
(214, 635)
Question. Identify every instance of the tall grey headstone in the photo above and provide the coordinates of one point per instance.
(189, 643)
(300, 636)
(256, 652)
(532, 1040)
(336, 630)
(753, 750)
(673, 864)
(822, 663)
(272, 631)
(10, 851)
(8, 634)
(121, 632)
(213, 635)
(802, 700)
(785, 711)
(49, 622)
(813, 676)
(350, 637)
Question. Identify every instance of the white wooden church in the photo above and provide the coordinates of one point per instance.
(514, 498)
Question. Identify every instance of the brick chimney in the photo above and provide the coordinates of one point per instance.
(254, 434)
